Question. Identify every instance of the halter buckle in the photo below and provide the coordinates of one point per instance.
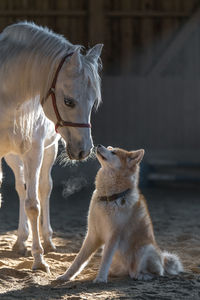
(61, 123)
(52, 90)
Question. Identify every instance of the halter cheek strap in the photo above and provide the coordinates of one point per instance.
(51, 92)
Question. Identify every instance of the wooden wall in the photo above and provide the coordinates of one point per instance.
(157, 115)
(134, 32)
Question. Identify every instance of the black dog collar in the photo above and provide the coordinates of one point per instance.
(114, 196)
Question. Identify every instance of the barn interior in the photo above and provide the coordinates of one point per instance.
(150, 100)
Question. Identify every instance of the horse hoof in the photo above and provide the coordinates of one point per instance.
(43, 266)
(49, 247)
(20, 248)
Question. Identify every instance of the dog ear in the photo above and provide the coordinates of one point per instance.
(135, 157)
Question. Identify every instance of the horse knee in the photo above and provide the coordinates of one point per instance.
(32, 208)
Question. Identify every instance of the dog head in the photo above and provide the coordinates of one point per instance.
(119, 159)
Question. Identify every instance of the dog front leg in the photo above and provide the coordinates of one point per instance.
(89, 246)
(108, 252)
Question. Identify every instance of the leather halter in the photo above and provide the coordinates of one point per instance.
(60, 121)
(115, 197)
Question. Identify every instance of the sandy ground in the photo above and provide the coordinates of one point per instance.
(176, 218)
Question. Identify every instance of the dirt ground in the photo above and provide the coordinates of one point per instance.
(176, 218)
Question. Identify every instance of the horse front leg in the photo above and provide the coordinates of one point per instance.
(16, 164)
(33, 161)
(45, 188)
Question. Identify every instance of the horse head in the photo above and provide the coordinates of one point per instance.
(77, 89)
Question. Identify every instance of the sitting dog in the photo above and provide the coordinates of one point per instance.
(119, 220)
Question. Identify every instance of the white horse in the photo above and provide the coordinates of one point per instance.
(44, 132)
(35, 61)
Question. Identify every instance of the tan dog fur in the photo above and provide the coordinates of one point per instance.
(124, 228)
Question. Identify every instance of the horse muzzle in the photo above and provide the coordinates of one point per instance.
(78, 153)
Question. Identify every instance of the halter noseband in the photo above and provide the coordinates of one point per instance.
(60, 121)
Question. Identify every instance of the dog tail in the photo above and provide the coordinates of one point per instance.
(172, 263)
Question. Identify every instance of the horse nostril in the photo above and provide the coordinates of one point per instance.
(81, 155)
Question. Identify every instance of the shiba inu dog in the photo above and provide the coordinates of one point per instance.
(119, 220)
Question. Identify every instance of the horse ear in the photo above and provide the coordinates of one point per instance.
(95, 52)
(74, 65)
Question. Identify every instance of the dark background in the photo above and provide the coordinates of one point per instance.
(150, 79)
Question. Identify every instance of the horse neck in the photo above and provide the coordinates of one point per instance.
(25, 81)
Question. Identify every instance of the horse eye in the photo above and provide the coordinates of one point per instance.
(113, 152)
(69, 102)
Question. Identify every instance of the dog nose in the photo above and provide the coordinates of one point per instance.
(99, 146)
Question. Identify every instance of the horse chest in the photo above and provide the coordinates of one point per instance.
(18, 144)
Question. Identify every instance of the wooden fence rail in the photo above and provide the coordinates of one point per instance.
(147, 14)
(39, 13)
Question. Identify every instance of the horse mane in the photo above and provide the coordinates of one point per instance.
(29, 32)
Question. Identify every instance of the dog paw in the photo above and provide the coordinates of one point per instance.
(59, 281)
(62, 278)
(145, 276)
(100, 280)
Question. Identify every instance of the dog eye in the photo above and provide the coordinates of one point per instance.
(69, 102)
(113, 152)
